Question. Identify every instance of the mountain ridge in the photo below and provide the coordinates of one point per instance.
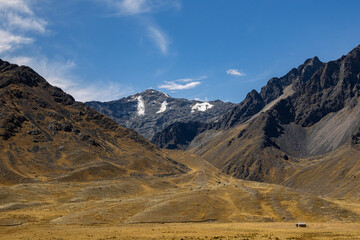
(253, 103)
(150, 111)
(45, 134)
(319, 120)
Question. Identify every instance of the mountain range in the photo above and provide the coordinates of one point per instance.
(302, 130)
(310, 113)
(290, 152)
(152, 111)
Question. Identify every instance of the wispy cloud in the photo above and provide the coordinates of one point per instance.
(100, 92)
(29, 23)
(130, 7)
(16, 20)
(19, 5)
(159, 38)
(235, 72)
(60, 74)
(177, 86)
(10, 41)
(182, 84)
(137, 7)
(143, 10)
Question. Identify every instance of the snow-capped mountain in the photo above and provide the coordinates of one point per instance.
(151, 111)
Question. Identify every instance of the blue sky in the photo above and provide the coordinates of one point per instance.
(197, 49)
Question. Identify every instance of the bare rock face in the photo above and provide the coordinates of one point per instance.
(150, 112)
(255, 102)
(178, 135)
(251, 105)
(331, 88)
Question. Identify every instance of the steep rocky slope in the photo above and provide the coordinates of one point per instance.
(255, 102)
(151, 111)
(250, 107)
(312, 133)
(178, 135)
(45, 134)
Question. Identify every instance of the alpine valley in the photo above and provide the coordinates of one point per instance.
(150, 166)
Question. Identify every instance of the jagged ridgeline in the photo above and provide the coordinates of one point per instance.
(45, 134)
(311, 113)
(151, 111)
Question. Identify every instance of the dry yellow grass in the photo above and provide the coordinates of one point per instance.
(202, 204)
(269, 231)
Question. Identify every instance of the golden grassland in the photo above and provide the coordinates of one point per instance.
(201, 204)
(270, 231)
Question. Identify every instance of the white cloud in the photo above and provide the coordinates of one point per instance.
(177, 86)
(159, 38)
(190, 79)
(10, 41)
(60, 74)
(182, 84)
(26, 23)
(19, 5)
(235, 72)
(16, 19)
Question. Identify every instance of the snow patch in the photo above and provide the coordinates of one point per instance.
(163, 107)
(140, 106)
(201, 107)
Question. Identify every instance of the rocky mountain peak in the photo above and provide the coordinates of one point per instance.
(151, 95)
(354, 52)
(152, 92)
(13, 74)
(152, 111)
(254, 102)
(5, 66)
(312, 61)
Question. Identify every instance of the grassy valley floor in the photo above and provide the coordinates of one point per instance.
(335, 230)
(201, 204)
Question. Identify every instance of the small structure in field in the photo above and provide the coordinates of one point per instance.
(300, 225)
